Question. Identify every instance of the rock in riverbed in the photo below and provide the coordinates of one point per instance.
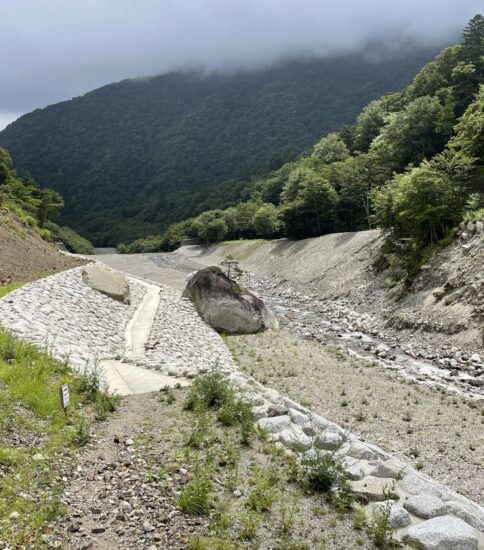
(226, 306)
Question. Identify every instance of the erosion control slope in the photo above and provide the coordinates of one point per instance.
(334, 263)
(445, 304)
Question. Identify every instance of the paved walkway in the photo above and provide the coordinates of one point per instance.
(125, 378)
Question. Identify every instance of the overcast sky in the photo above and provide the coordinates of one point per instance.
(53, 50)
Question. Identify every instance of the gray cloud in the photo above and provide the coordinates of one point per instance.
(56, 49)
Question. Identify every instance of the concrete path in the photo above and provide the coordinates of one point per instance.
(139, 328)
(124, 377)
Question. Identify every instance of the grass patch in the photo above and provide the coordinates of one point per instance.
(30, 408)
(5, 289)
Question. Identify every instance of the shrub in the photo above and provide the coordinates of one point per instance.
(262, 496)
(105, 404)
(195, 497)
(236, 411)
(379, 529)
(320, 472)
(8, 347)
(209, 390)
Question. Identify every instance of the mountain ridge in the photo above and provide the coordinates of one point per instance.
(133, 156)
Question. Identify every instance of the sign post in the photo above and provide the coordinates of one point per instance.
(64, 396)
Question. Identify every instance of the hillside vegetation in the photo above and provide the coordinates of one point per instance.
(132, 157)
(412, 163)
(34, 207)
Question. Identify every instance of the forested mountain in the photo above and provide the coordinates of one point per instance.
(132, 157)
(413, 163)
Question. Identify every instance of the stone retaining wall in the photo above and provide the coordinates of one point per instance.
(73, 322)
(422, 512)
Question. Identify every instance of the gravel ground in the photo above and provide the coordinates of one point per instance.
(123, 492)
(435, 432)
(403, 418)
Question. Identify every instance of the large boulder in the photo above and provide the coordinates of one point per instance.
(107, 282)
(226, 306)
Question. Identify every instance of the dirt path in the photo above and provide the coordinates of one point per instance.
(124, 492)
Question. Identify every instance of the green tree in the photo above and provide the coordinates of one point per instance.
(49, 205)
(210, 226)
(424, 202)
(309, 202)
(372, 119)
(410, 135)
(359, 176)
(245, 215)
(473, 39)
(266, 221)
(331, 148)
(467, 145)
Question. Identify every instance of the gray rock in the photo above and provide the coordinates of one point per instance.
(272, 395)
(451, 298)
(295, 440)
(276, 409)
(442, 533)
(438, 293)
(391, 468)
(321, 423)
(259, 412)
(238, 380)
(147, 527)
(361, 451)
(110, 283)
(468, 512)
(275, 424)
(226, 306)
(125, 507)
(309, 429)
(425, 506)
(372, 488)
(416, 484)
(353, 467)
(298, 417)
(290, 404)
(329, 440)
(398, 517)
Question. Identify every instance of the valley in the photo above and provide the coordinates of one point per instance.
(280, 346)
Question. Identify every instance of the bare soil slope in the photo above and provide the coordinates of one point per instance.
(24, 255)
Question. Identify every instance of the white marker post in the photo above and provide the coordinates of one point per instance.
(64, 396)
